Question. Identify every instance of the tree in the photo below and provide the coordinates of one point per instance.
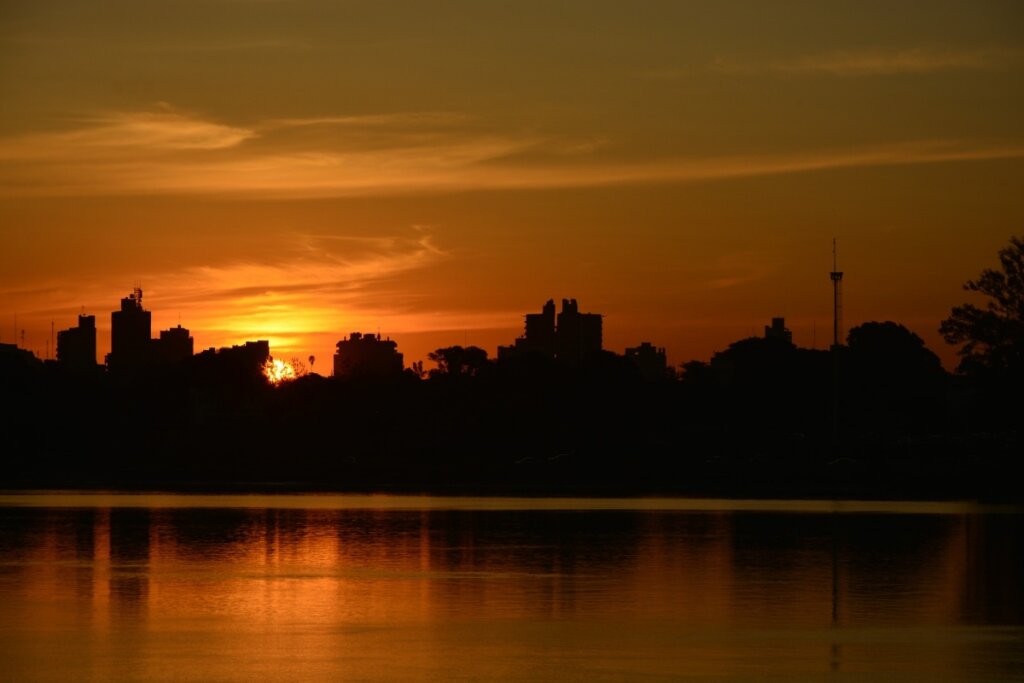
(891, 380)
(417, 369)
(456, 360)
(299, 367)
(992, 337)
(889, 352)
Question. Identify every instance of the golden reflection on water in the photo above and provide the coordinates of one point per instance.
(492, 592)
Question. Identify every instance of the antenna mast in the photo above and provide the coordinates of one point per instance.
(837, 299)
(837, 330)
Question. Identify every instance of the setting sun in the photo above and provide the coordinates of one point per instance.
(278, 371)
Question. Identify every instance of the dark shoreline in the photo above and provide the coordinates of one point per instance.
(949, 488)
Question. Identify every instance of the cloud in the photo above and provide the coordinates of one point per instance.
(740, 268)
(877, 62)
(121, 134)
(427, 118)
(171, 152)
(319, 285)
(314, 275)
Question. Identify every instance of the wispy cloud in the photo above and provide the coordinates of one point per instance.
(740, 268)
(124, 134)
(877, 62)
(319, 285)
(412, 119)
(171, 152)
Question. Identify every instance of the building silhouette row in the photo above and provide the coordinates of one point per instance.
(132, 346)
(568, 336)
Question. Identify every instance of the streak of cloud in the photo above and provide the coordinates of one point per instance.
(316, 286)
(123, 134)
(877, 62)
(170, 152)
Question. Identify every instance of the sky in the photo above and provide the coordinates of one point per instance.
(298, 170)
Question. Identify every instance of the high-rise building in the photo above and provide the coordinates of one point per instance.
(571, 337)
(130, 332)
(174, 345)
(367, 355)
(76, 347)
(579, 334)
(540, 330)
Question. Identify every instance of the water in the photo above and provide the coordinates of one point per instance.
(385, 588)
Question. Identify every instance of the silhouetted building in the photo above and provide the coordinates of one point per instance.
(778, 330)
(367, 355)
(174, 345)
(579, 334)
(241, 362)
(12, 353)
(540, 330)
(574, 336)
(76, 347)
(652, 361)
(251, 352)
(130, 332)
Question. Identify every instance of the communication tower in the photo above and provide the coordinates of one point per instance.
(837, 299)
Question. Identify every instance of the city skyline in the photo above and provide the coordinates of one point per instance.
(820, 335)
(574, 337)
(290, 170)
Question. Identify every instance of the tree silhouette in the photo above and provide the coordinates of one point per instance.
(299, 367)
(892, 381)
(889, 352)
(456, 360)
(992, 337)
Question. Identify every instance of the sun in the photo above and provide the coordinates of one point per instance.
(278, 371)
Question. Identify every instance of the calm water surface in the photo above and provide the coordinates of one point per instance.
(391, 588)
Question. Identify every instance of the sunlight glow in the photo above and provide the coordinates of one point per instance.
(278, 371)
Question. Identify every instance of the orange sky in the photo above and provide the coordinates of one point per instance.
(296, 171)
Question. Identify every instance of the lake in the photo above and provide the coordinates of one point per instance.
(133, 587)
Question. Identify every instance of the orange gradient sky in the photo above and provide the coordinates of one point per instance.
(296, 171)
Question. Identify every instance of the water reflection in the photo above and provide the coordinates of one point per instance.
(246, 593)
